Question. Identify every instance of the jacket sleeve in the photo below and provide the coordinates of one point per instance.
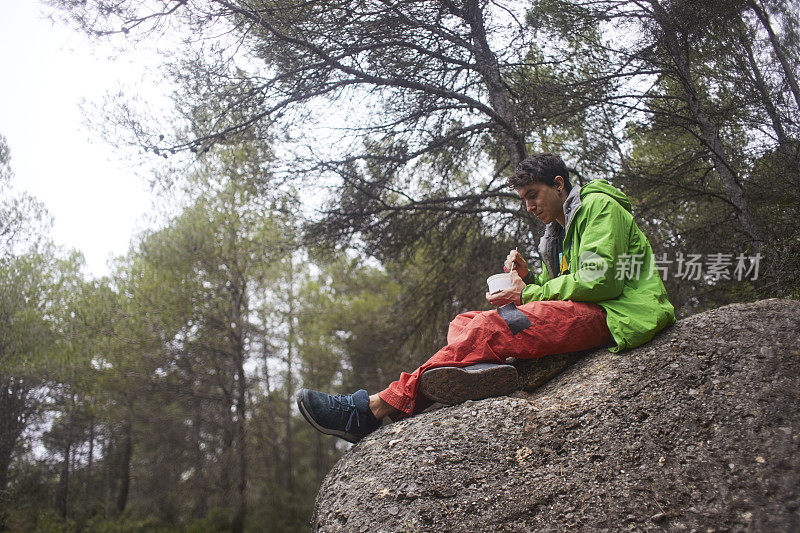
(604, 234)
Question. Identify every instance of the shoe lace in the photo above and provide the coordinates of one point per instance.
(345, 403)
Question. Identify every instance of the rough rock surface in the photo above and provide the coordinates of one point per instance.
(698, 430)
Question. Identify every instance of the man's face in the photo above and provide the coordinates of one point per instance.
(544, 201)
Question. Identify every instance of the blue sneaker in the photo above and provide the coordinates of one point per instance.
(346, 416)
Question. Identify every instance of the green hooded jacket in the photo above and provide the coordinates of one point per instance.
(609, 261)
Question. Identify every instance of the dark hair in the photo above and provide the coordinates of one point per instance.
(542, 167)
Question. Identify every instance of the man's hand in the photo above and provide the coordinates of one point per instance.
(511, 295)
(516, 262)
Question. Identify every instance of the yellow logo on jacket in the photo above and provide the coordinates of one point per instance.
(564, 268)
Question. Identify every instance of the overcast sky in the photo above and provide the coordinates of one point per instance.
(96, 199)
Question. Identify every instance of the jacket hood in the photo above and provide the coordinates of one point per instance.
(603, 187)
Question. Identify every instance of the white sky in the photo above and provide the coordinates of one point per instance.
(94, 195)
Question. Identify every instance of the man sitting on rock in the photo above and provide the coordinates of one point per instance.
(599, 286)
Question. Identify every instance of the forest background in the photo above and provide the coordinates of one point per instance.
(332, 177)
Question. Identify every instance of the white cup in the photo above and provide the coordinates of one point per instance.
(499, 282)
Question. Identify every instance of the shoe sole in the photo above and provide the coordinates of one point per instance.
(451, 385)
(349, 437)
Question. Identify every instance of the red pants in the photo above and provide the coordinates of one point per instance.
(550, 327)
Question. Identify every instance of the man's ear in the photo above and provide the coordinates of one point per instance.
(559, 185)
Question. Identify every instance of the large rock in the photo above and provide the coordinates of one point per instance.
(698, 430)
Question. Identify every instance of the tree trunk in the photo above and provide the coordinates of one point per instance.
(240, 505)
(273, 459)
(13, 411)
(62, 494)
(239, 307)
(108, 453)
(784, 144)
(788, 71)
(13, 408)
(199, 485)
(320, 456)
(125, 466)
(487, 65)
(288, 445)
(227, 456)
(90, 463)
(709, 130)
